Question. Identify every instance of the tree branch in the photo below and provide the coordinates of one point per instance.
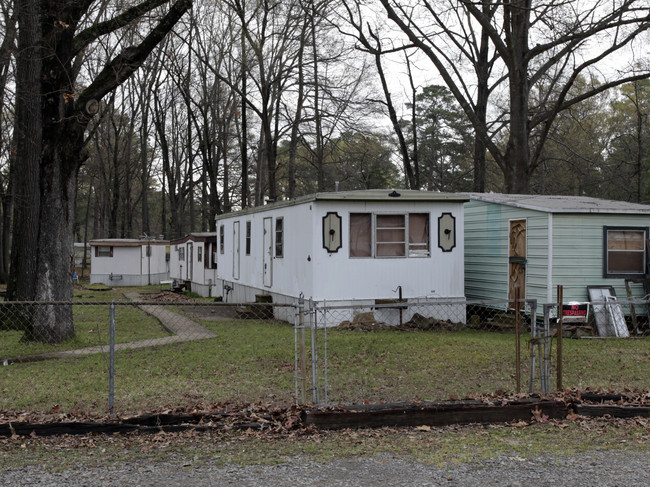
(120, 68)
(86, 36)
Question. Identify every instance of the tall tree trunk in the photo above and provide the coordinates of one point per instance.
(482, 97)
(297, 120)
(517, 154)
(28, 132)
(319, 153)
(245, 196)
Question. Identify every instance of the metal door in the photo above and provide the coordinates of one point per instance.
(267, 258)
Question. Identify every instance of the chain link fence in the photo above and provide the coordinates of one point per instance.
(152, 355)
(405, 351)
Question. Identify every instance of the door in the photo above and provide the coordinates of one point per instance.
(267, 259)
(190, 260)
(235, 250)
(517, 259)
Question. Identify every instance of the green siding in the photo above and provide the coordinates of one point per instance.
(486, 249)
(578, 253)
(577, 260)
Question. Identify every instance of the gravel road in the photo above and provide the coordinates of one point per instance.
(603, 469)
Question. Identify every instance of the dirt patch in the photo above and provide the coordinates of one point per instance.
(367, 322)
(212, 313)
(167, 297)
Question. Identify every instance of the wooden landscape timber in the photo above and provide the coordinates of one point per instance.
(431, 414)
(405, 414)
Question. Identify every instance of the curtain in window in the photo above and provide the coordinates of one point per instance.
(360, 235)
(419, 234)
(390, 239)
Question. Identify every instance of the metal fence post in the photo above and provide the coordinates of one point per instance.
(111, 366)
(314, 356)
(545, 363)
(518, 341)
(325, 350)
(560, 332)
(303, 351)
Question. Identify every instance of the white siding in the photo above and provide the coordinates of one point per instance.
(339, 277)
(130, 265)
(308, 268)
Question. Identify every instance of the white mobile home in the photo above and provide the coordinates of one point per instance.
(193, 262)
(539, 242)
(129, 262)
(344, 247)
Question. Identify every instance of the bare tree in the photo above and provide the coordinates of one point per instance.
(537, 43)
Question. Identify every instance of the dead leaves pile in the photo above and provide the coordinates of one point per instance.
(272, 421)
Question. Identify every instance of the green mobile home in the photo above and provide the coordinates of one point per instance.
(536, 243)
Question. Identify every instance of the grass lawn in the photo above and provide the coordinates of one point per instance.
(253, 361)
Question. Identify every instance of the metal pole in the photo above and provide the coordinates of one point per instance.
(325, 350)
(534, 345)
(111, 365)
(560, 332)
(303, 352)
(518, 342)
(296, 361)
(546, 361)
(314, 357)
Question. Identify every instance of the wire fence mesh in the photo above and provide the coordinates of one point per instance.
(144, 355)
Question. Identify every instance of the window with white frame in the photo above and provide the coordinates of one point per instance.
(625, 251)
(389, 235)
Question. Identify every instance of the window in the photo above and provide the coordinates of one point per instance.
(181, 254)
(214, 254)
(418, 235)
(104, 251)
(248, 238)
(199, 254)
(390, 231)
(386, 235)
(360, 235)
(625, 253)
(221, 239)
(279, 237)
